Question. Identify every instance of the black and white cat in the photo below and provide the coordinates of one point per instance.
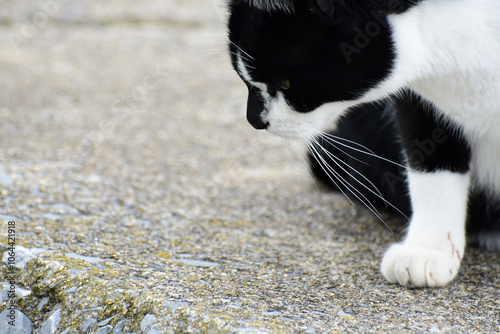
(432, 67)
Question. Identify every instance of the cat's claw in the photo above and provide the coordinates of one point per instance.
(417, 266)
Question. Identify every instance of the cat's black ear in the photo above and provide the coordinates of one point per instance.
(334, 12)
(390, 7)
(326, 8)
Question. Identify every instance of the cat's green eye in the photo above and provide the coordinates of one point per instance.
(285, 84)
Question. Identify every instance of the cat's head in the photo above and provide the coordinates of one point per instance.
(306, 61)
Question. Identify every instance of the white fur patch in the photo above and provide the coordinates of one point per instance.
(431, 253)
(286, 122)
(449, 53)
(242, 69)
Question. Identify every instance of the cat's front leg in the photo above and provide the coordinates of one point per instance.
(439, 179)
(431, 253)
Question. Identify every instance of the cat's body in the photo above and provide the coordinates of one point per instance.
(436, 66)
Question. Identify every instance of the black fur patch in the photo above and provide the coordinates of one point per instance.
(431, 143)
(374, 126)
(323, 62)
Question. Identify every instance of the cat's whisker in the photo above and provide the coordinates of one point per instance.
(216, 61)
(375, 192)
(313, 144)
(246, 59)
(330, 172)
(330, 139)
(306, 140)
(336, 160)
(331, 142)
(326, 167)
(335, 140)
(222, 50)
(298, 151)
(244, 53)
(316, 145)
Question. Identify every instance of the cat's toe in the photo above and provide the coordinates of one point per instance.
(416, 266)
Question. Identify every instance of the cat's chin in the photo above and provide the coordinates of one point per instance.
(284, 122)
(304, 134)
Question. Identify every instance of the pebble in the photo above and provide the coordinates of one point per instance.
(23, 255)
(42, 303)
(94, 309)
(119, 326)
(7, 218)
(5, 179)
(4, 294)
(154, 331)
(147, 321)
(197, 263)
(105, 330)
(50, 326)
(23, 325)
(271, 313)
(104, 322)
(175, 305)
(70, 290)
(52, 216)
(88, 324)
(434, 329)
(39, 229)
(89, 259)
(345, 316)
(21, 293)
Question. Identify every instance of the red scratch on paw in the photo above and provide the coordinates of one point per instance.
(452, 245)
(453, 249)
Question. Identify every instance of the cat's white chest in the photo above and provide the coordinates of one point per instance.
(473, 103)
(486, 163)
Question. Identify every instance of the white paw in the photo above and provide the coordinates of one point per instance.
(417, 266)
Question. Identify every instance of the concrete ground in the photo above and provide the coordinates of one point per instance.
(146, 203)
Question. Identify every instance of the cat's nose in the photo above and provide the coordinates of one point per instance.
(256, 121)
(255, 109)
